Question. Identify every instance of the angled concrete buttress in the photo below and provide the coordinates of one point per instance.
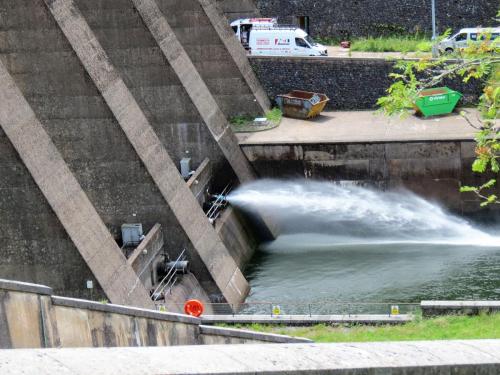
(196, 88)
(151, 151)
(66, 197)
(236, 50)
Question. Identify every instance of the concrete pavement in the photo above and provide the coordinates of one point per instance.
(364, 127)
(396, 358)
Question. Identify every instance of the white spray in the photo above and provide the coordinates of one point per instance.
(344, 215)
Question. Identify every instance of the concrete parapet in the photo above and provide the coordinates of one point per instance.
(216, 335)
(31, 318)
(395, 358)
(436, 308)
(18, 286)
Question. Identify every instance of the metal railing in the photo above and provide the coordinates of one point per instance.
(168, 281)
(219, 204)
(312, 309)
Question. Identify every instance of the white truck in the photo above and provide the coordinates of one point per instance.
(264, 37)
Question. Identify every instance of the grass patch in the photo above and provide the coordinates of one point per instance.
(404, 44)
(274, 115)
(441, 328)
(392, 44)
(241, 124)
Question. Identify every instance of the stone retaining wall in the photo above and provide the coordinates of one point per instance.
(343, 19)
(350, 83)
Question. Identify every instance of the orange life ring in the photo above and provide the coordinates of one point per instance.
(194, 307)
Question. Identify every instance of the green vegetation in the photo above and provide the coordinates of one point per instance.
(274, 115)
(441, 328)
(241, 124)
(479, 61)
(404, 44)
(392, 44)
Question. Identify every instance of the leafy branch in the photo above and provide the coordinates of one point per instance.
(479, 61)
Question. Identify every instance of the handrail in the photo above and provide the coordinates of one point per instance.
(312, 308)
(171, 272)
(214, 211)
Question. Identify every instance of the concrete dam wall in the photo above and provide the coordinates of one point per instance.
(99, 102)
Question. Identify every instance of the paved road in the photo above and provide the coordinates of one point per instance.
(364, 126)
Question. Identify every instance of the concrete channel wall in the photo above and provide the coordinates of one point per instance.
(432, 169)
(391, 358)
(350, 83)
(31, 317)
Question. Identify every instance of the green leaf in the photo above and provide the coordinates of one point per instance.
(479, 165)
(488, 185)
(466, 189)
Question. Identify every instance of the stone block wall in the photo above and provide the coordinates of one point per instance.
(344, 19)
(350, 83)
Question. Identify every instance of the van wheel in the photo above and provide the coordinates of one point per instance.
(448, 50)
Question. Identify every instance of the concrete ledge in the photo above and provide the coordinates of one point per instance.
(436, 308)
(19, 286)
(251, 335)
(394, 358)
(119, 309)
(306, 319)
(154, 234)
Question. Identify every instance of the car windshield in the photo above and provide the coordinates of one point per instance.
(310, 40)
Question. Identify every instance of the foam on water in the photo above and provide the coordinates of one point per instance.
(340, 215)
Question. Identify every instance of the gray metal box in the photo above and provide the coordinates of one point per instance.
(131, 234)
(186, 168)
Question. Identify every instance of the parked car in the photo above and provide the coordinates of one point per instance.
(465, 36)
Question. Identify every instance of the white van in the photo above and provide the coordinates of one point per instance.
(465, 36)
(283, 41)
(242, 27)
(264, 37)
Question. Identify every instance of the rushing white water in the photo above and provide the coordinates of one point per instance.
(353, 215)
